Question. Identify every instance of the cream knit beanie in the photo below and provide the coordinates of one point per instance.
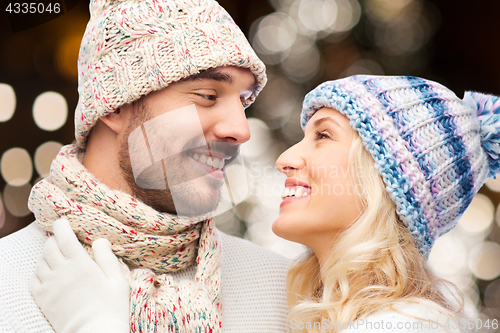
(133, 47)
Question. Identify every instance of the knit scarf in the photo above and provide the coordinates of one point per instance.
(149, 244)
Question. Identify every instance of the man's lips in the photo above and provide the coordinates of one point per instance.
(211, 153)
(208, 164)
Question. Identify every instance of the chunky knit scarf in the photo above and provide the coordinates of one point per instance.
(148, 243)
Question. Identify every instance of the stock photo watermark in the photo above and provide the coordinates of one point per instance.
(24, 14)
(423, 325)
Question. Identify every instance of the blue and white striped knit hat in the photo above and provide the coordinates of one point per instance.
(433, 150)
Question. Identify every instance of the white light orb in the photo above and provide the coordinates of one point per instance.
(484, 260)
(16, 199)
(8, 102)
(44, 155)
(16, 166)
(50, 111)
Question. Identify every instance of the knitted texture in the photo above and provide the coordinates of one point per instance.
(149, 243)
(433, 150)
(253, 281)
(133, 47)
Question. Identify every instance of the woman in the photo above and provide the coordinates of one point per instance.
(386, 166)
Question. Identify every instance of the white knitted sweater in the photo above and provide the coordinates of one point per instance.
(253, 285)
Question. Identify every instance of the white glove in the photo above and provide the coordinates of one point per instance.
(77, 294)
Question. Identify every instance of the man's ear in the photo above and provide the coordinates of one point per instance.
(116, 121)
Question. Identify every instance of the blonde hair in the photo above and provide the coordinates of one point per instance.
(372, 265)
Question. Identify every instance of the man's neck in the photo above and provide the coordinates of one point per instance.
(101, 157)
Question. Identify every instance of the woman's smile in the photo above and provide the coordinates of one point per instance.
(295, 190)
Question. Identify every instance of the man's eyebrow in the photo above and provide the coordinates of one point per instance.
(211, 74)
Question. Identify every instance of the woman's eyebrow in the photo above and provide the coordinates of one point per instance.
(319, 121)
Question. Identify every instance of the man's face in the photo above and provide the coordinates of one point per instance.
(211, 126)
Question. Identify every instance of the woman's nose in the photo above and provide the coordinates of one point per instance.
(291, 159)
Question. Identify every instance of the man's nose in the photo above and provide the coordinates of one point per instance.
(232, 124)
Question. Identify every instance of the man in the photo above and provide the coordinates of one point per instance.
(163, 86)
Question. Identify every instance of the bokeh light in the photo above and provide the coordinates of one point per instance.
(276, 103)
(276, 33)
(260, 139)
(386, 10)
(319, 19)
(291, 130)
(303, 61)
(348, 15)
(16, 199)
(237, 177)
(484, 260)
(50, 111)
(493, 184)
(8, 104)
(16, 166)
(363, 66)
(492, 297)
(479, 215)
(67, 55)
(448, 256)
(317, 15)
(44, 155)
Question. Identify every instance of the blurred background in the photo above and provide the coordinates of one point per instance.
(303, 43)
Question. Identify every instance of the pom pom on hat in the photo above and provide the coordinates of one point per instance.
(133, 47)
(487, 108)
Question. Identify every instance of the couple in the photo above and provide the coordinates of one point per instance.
(413, 156)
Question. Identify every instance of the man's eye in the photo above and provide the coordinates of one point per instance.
(209, 97)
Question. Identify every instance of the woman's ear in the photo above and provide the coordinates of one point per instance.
(116, 121)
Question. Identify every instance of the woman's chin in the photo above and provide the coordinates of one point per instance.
(285, 227)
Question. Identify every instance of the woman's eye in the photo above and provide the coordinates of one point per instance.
(321, 135)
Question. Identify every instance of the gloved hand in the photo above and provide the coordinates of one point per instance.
(77, 294)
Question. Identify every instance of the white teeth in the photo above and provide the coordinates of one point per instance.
(289, 192)
(213, 162)
(216, 163)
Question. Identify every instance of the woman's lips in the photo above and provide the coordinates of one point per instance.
(295, 190)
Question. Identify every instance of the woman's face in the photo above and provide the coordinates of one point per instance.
(318, 199)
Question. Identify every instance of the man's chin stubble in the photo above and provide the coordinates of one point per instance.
(188, 199)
